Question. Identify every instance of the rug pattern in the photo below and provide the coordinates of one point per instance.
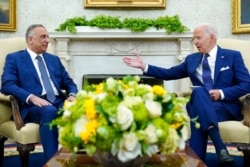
(10, 150)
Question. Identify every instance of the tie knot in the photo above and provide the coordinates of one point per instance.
(38, 57)
(207, 55)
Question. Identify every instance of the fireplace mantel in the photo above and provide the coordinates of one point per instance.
(93, 52)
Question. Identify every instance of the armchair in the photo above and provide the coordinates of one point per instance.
(238, 132)
(26, 135)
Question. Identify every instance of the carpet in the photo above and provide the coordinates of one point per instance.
(11, 158)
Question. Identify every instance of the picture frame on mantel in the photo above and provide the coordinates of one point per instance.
(8, 15)
(240, 16)
(125, 4)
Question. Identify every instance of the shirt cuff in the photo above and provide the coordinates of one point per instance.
(222, 96)
(146, 69)
(28, 98)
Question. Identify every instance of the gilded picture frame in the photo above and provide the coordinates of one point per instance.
(125, 4)
(8, 15)
(240, 16)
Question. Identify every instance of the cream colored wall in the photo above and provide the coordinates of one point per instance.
(192, 12)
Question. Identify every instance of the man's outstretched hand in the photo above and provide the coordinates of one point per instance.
(136, 62)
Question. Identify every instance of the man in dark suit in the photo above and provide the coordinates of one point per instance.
(23, 79)
(215, 97)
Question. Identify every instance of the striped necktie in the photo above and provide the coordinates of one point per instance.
(206, 73)
(50, 94)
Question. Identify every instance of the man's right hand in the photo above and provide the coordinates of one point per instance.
(38, 101)
(136, 62)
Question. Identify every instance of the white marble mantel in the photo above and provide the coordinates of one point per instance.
(101, 51)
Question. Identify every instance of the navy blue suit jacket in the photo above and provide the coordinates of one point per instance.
(230, 75)
(20, 78)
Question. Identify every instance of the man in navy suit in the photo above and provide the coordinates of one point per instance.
(229, 80)
(22, 78)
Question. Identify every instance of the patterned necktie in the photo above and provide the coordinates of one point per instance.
(46, 81)
(206, 73)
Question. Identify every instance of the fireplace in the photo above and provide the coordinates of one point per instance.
(101, 52)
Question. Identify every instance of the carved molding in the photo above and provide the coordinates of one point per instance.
(108, 43)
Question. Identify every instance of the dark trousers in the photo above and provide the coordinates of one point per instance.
(43, 116)
(209, 114)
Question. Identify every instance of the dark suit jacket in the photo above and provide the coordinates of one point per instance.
(230, 75)
(20, 78)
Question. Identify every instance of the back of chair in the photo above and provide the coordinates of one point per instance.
(241, 45)
(9, 45)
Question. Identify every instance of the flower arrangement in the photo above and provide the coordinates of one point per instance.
(124, 117)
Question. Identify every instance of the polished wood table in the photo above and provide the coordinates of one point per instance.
(186, 158)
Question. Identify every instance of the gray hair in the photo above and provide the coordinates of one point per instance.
(30, 32)
(210, 29)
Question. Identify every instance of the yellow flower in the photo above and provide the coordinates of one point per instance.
(90, 108)
(90, 130)
(99, 88)
(159, 90)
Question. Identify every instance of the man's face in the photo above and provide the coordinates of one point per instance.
(203, 41)
(39, 40)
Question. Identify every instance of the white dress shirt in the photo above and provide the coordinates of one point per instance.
(33, 56)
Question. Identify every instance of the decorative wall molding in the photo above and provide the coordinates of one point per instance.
(84, 49)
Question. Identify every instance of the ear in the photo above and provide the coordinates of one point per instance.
(213, 37)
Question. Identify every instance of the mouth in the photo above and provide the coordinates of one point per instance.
(198, 47)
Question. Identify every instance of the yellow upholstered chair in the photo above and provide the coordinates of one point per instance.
(25, 135)
(238, 132)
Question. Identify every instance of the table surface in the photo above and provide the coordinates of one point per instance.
(185, 158)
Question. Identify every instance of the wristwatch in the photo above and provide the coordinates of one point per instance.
(72, 94)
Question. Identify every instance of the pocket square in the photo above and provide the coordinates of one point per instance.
(224, 68)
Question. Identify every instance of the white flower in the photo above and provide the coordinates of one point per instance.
(100, 97)
(154, 108)
(170, 144)
(80, 125)
(82, 93)
(150, 132)
(111, 83)
(152, 149)
(130, 148)
(184, 137)
(148, 96)
(124, 117)
(130, 101)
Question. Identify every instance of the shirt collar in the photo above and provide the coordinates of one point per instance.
(32, 54)
(213, 52)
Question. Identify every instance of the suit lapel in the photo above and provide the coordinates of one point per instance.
(220, 60)
(29, 64)
(196, 61)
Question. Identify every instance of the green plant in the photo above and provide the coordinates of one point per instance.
(69, 24)
(137, 24)
(170, 24)
(103, 22)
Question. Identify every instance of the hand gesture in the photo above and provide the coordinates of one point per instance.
(136, 62)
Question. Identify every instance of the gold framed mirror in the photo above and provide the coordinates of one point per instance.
(124, 3)
(240, 16)
(8, 15)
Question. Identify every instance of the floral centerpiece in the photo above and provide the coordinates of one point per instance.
(124, 117)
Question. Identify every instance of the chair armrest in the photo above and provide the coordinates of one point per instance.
(246, 110)
(16, 113)
(4, 97)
